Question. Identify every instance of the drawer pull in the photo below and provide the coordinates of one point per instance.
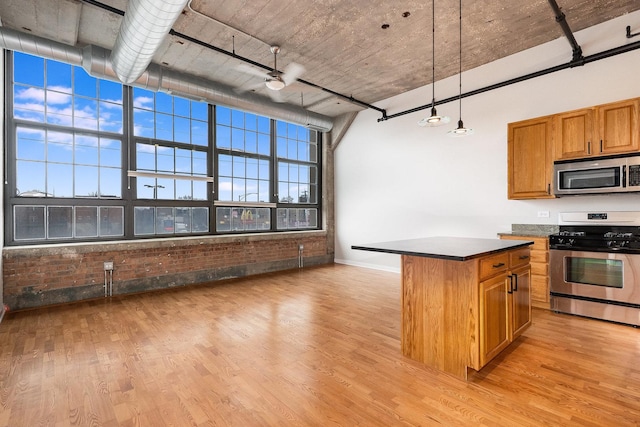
(524, 256)
(498, 265)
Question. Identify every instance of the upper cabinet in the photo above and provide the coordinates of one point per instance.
(602, 130)
(530, 159)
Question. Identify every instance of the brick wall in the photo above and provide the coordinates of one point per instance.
(43, 275)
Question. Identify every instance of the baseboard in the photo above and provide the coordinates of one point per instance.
(367, 265)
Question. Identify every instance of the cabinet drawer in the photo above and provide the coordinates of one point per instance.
(519, 257)
(539, 269)
(492, 265)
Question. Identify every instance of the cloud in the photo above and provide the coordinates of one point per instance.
(143, 102)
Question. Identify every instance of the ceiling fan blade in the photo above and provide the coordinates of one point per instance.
(247, 69)
(292, 72)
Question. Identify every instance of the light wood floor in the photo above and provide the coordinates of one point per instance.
(314, 347)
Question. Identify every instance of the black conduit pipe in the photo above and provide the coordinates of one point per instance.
(562, 20)
(591, 58)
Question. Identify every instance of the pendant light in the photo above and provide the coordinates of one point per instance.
(434, 120)
(460, 130)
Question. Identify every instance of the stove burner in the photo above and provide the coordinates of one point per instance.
(572, 233)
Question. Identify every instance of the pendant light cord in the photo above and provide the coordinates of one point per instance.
(433, 53)
(460, 65)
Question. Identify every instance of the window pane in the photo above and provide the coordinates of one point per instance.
(110, 183)
(30, 179)
(143, 98)
(144, 220)
(86, 221)
(30, 144)
(110, 91)
(146, 188)
(223, 216)
(165, 159)
(58, 108)
(143, 123)
(110, 117)
(199, 190)
(223, 115)
(111, 221)
(199, 163)
(165, 220)
(86, 150)
(59, 221)
(199, 133)
(224, 189)
(164, 103)
(86, 113)
(29, 222)
(166, 189)
(84, 84)
(183, 190)
(28, 104)
(200, 219)
(183, 220)
(181, 107)
(28, 69)
(59, 76)
(86, 181)
(183, 161)
(223, 137)
(164, 127)
(199, 111)
(59, 180)
(110, 152)
(182, 130)
(145, 157)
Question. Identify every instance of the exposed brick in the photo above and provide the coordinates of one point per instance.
(50, 275)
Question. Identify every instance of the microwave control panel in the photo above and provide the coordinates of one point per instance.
(634, 175)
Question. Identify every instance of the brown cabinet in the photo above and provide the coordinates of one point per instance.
(539, 269)
(602, 130)
(504, 300)
(530, 159)
(460, 314)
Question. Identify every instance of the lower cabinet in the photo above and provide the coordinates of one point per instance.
(505, 303)
(539, 269)
(461, 314)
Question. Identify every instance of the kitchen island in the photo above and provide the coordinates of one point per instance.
(464, 300)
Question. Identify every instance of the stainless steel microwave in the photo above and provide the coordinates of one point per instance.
(597, 175)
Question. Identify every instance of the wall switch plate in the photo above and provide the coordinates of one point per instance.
(108, 266)
(543, 214)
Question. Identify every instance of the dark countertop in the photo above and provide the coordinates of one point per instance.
(451, 248)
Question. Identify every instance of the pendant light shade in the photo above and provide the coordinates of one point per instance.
(434, 120)
(460, 130)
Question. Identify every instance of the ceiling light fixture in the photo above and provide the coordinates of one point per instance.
(275, 82)
(460, 130)
(434, 120)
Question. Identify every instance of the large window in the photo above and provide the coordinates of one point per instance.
(91, 159)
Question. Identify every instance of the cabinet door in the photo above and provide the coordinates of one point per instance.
(574, 134)
(521, 300)
(494, 318)
(618, 127)
(530, 159)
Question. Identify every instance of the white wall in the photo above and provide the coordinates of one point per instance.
(396, 180)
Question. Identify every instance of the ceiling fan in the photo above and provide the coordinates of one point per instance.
(275, 80)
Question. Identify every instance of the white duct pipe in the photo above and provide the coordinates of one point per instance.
(95, 61)
(145, 25)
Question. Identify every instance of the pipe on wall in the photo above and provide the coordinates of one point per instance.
(96, 61)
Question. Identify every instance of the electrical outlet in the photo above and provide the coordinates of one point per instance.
(108, 266)
(300, 247)
(543, 214)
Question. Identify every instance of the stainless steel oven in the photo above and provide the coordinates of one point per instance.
(602, 285)
(595, 269)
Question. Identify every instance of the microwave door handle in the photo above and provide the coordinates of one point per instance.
(624, 176)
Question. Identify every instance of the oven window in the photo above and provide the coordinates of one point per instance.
(590, 178)
(594, 271)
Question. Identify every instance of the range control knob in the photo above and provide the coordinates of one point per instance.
(571, 242)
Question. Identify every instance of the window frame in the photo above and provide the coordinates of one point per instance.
(128, 200)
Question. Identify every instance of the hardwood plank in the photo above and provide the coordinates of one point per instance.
(311, 347)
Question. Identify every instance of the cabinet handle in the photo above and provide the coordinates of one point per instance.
(515, 289)
(588, 147)
(601, 146)
(510, 290)
(548, 188)
(501, 264)
(524, 256)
